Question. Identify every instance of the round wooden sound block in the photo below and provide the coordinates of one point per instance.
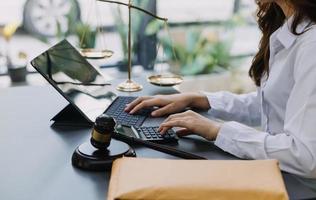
(89, 158)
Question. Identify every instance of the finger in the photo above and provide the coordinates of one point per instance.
(162, 111)
(131, 105)
(177, 116)
(145, 104)
(175, 123)
(164, 130)
(137, 101)
(172, 119)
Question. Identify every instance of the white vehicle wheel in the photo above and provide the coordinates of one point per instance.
(49, 17)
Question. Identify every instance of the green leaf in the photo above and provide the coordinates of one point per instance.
(197, 55)
(154, 27)
(87, 35)
(192, 40)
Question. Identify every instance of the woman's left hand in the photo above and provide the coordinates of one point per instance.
(191, 122)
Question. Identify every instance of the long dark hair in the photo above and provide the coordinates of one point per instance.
(271, 17)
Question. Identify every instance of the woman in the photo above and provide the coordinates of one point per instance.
(284, 70)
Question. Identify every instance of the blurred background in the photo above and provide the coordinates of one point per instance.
(210, 43)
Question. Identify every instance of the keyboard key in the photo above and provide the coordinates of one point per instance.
(152, 134)
(116, 110)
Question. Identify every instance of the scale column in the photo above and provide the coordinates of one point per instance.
(129, 85)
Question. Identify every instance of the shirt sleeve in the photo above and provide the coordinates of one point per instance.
(295, 147)
(244, 108)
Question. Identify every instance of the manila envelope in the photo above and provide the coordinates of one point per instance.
(137, 178)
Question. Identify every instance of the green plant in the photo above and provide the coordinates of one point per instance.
(198, 54)
(86, 35)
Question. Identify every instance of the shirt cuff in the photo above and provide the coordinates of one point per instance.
(242, 141)
(215, 100)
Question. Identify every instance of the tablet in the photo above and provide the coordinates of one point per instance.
(75, 79)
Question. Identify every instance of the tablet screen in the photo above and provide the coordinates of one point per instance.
(76, 79)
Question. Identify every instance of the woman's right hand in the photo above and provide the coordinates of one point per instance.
(169, 104)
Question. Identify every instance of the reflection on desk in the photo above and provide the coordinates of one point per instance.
(36, 158)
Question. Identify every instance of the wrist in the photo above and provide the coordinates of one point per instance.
(217, 128)
(213, 132)
(199, 100)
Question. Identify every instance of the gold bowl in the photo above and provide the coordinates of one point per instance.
(165, 80)
(96, 53)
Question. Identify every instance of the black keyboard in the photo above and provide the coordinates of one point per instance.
(152, 134)
(116, 110)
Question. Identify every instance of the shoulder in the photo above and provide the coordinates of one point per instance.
(308, 36)
(304, 58)
(305, 41)
(305, 44)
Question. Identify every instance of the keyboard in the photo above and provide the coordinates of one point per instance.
(152, 134)
(116, 110)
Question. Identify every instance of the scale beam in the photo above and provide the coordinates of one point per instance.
(135, 7)
(129, 85)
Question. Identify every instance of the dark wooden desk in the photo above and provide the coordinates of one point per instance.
(35, 158)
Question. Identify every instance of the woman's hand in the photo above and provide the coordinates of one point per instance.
(191, 122)
(169, 104)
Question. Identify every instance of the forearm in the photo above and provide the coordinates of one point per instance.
(294, 154)
(244, 108)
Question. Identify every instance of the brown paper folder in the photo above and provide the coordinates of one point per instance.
(134, 178)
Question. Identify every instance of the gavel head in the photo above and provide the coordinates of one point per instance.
(102, 132)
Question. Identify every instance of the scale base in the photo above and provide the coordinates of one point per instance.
(129, 86)
(88, 158)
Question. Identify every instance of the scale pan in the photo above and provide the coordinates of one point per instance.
(96, 53)
(165, 80)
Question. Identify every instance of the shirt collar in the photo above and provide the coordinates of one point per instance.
(285, 35)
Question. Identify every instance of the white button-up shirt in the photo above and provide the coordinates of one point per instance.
(284, 106)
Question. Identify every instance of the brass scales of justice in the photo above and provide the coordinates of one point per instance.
(129, 85)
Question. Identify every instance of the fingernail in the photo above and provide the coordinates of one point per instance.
(153, 114)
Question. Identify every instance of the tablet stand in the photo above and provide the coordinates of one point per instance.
(70, 116)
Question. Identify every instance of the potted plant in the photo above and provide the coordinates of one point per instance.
(200, 53)
(203, 56)
(194, 53)
(86, 35)
(17, 72)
